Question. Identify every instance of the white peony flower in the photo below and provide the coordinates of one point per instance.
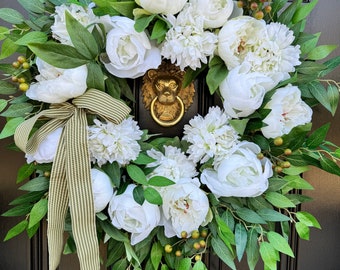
(238, 37)
(185, 208)
(129, 53)
(109, 142)
(85, 16)
(242, 174)
(127, 214)
(214, 12)
(162, 6)
(288, 110)
(56, 85)
(47, 148)
(101, 188)
(243, 91)
(210, 136)
(186, 43)
(173, 164)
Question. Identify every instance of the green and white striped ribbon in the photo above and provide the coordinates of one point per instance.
(70, 180)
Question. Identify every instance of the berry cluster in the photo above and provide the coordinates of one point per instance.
(21, 65)
(256, 8)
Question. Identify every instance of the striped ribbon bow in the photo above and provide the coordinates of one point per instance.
(70, 180)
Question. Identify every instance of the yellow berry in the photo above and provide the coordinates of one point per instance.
(195, 234)
(196, 245)
(278, 169)
(14, 78)
(21, 59)
(254, 6)
(21, 80)
(260, 156)
(202, 243)
(178, 253)
(259, 15)
(204, 233)
(184, 234)
(168, 248)
(239, 4)
(23, 86)
(16, 64)
(287, 152)
(268, 9)
(278, 141)
(285, 164)
(47, 174)
(197, 257)
(25, 65)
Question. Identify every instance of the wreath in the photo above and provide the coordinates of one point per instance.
(230, 185)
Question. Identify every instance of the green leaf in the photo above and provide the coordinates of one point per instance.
(249, 215)
(19, 210)
(34, 6)
(308, 42)
(268, 255)
(70, 246)
(302, 230)
(159, 31)
(3, 104)
(138, 194)
(37, 213)
(333, 98)
(240, 240)
(216, 74)
(8, 48)
(3, 32)
(81, 38)
(184, 264)
(321, 52)
(32, 37)
(153, 196)
(95, 77)
(143, 22)
(308, 219)
(156, 254)
(101, 216)
(122, 264)
(199, 265)
(11, 15)
(239, 125)
(160, 181)
(252, 249)
(130, 253)
(331, 64)
(303, 11)
(143, 159)
(295, 170)
(287, 15)
(114, 252)
(225, 233)
(16, 230)
(125, 8)
(223, 252)
(279, 243)
(310, 67)
(10, 127)
(297, 182)
(7, 88)
(18, 110)
(272, 215)
(330, 166)
(137, 174)
(279, 200)
(58, 55)
(27, 198)
(40, 183)
(113, 232)
(113, 171)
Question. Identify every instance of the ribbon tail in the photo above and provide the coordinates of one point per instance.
(57, 207)
(78, 174)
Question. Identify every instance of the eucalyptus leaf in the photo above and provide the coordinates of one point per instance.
(223, 252)
(11, 15)
(18, 110)
(16, 230)
(279, 200)
(272, 215)
(58, 55)
(240, 240)
(250, 216)
(252, 249)
(32, 37)
(38, 211)
(10, 127)
(40, 183)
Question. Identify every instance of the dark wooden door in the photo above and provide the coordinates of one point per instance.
(320, 253)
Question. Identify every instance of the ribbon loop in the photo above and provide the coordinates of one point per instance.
(70, 180)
